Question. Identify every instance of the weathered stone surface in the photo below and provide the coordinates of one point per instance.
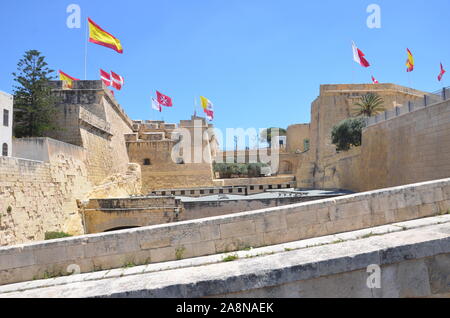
(311, 272)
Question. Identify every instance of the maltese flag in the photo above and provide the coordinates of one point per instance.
(164, 100)
(358, 56)
(374, 80)
(156, 105)
(441, 74)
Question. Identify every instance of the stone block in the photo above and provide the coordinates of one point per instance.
(429, 209)
(237, 229)
(270, 223)
(163, 242)
(301, 218)
(408, 213)
(50, 255)
(238, 243)
(163, 254)
(209, 232)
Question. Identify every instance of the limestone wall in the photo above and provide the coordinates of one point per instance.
(412, 147)
(102, 215)
(225, 233)
(38, 197)
(163, 172)
(90, 117)
(336, 103)
(296, 136)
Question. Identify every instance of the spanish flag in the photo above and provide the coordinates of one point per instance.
(410, 61)
(69, 79)
(99, 36)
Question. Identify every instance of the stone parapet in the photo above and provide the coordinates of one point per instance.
(228, 233)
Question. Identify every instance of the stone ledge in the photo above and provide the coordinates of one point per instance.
(269, 271)
(377, 243)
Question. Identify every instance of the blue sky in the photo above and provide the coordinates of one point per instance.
(260, 62)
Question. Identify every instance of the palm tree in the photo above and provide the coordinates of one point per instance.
(370, 105)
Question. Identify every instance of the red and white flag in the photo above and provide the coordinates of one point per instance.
(442, 73)
(106, 77)
(156, 105)
(374, 80)
(358, 56)
(164, 100)
(117, 81)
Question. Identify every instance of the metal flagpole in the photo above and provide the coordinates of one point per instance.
(86, 51)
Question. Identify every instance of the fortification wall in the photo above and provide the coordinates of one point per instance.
(91, 118)
(228, 233)
(38, 197)
(296, 136)
(337, 102)
(163, 172)
(412, 147)
(409, 148)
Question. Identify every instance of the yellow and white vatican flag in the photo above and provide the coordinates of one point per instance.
(208, 107)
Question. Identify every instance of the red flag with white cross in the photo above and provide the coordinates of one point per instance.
(164, 100)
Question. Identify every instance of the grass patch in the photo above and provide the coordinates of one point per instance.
(129, 265)
(55, 235)
(179, 252)
(230, 258)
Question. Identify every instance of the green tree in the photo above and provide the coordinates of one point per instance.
(34, 104)
(370, 105)
(348, 133)
(266, 134)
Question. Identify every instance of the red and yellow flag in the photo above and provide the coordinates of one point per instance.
(410, 61)
(69, 79)
(99, 36)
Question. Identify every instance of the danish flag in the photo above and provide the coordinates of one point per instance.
(164, 100)
(106, 77)
(117, 81)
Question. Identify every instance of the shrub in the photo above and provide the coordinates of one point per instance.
(55, 235)
(348, 133)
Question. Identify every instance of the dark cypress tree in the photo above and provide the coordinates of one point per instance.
(34, 104)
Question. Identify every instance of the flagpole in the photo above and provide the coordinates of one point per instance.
(86, 51)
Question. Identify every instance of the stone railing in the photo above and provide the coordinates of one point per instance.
(227, 233)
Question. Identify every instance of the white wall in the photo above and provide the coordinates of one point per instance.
(6, 102)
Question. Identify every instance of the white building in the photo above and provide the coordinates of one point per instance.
(6, 123)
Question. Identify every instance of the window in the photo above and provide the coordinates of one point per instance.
(211, 191)
(252, 187)
(5, 150)
(6, 118)
(306, 144)
(183, 192)
(230, 190)
(240, 190)
(147, 162)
